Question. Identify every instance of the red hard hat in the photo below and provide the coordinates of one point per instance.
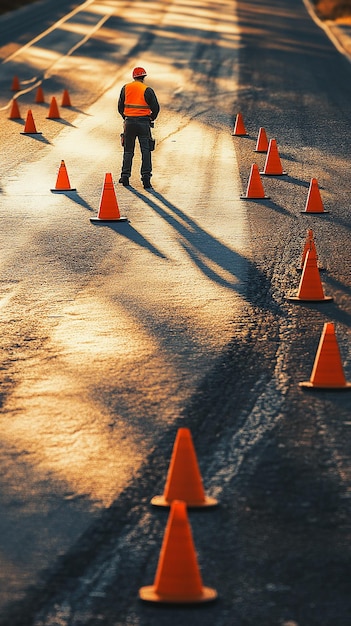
(139, 71)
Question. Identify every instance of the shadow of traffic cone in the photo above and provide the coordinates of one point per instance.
(254, 187)
(66, 100)
(39, 96)
(15, 112)
(178, 578)
(184, 480)
(309, 245)
(108, 209)
(310, 288)
(273, 166)
(327, 371)
(314, 203)
(15, 84)
(239, 126)
(62, 181)
(54, 113)
(262, 141)
(29, 127)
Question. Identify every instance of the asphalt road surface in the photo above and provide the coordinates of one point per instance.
(115, 336)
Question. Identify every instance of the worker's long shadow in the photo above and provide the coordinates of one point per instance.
(217, 261)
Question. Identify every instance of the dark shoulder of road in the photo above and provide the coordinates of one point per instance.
(277, 549)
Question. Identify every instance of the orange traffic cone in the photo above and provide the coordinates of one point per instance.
(62, 182)
(184, 480)
(254, 186)
(108, 209)
(15, 112)
(239, 126)
(66, 100)
(309, 245)
(273, 166)
(262, 141)
(39, 96)
(54, 113)
(29, 127)
(327, 372)
(314, 203)
(15, 84)
(178, 578)
(310, 288)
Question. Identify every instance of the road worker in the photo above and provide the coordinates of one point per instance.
(139, 107)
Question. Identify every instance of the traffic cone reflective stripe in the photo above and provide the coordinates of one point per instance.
(273, 166)
(314, 202)
(310, 287)
(262, 141)
(29, 127)
(184, 480)
(328, 371)
(255, 187)
(62, 181)
(178, 578)
(239, 126)
(15, 112)
(54, 113)
(108, 209)
(66, 100)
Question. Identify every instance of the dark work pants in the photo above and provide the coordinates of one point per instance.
(137, 127)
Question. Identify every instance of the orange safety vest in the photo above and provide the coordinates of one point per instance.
(134, 100)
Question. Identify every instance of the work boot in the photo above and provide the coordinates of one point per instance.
(124, 180)
(146, 182)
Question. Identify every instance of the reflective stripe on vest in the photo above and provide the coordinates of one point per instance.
(134, 100)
